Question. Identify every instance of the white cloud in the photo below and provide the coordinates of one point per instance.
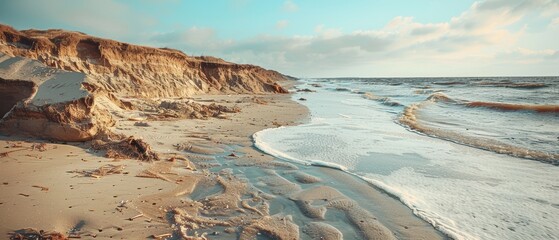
(483, 35)
(281, 24)
(489, 33)
(554, 22)
(529, 56)
(194, 40)
(324, 32)
(486, 34)
(290, 6)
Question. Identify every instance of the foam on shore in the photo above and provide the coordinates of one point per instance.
(464, 192)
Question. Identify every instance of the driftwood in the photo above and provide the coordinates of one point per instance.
(33, 234)
(126, 148)
(137, 216)
(41, 147)
(45, 189)
(104, 170)
(161, 236)
(152, 174)
(5, 154)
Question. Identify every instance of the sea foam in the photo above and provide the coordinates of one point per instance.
(465, 192)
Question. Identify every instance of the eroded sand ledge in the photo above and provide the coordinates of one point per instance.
(48, 103)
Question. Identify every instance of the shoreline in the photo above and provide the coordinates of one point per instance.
(219, 149)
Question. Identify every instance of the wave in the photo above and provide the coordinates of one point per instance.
(505, 84)
(263, 146)
(508, 84)
(516, 107)
(266, 148)
(384, 100)
(342, 89)
(442, 224)
(449, 83)
(410, 117)
(441, 97)
(426, 91)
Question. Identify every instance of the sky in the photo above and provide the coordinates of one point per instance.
(325, 38)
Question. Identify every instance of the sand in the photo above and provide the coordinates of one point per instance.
(210, 183)
(195, 173)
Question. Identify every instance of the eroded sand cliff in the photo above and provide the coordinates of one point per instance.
(48, 103)
(51, 81)
(132, 70)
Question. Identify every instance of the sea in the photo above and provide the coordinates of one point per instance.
(477, 158)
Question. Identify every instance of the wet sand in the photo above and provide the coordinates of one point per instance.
(211, 183)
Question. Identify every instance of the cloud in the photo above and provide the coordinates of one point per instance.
(488, 33)
(194, 40)
(529, 56)
(480, 36)
(322, 31)
(281, 24)
(484, 34)
(555, 22)
(103, 17)
(290, 6)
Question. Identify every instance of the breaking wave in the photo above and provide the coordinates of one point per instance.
(504, 84)
(410, 118)
(439, 97)
(384, 100)
(508, 84)
(449, 83)
(516, 107)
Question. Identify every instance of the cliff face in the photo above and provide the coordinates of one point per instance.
(77, 120)
(130, 70)
(40, 101)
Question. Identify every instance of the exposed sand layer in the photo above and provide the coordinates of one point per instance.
(48, 103)
(131, 70)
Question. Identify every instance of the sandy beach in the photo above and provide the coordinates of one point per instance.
(211, 182)
(90, 150)
(196, 120)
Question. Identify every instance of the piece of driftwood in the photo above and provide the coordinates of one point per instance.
(151, 174)
(161, 236)
(45, 189)
(104, 170)
(33, 234)
(137, 216)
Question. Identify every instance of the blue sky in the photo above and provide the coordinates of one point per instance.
(326, 38)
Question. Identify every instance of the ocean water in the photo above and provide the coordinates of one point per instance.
(476, 158)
